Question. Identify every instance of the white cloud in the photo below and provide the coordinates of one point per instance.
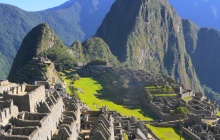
(214, 11)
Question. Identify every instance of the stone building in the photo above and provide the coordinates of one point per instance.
(4, 82)
(110, 125)
(38, 114)
(26, 97)
(163, 106)
(8, 110)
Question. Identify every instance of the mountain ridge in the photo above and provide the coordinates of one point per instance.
(203, 46)
(16, 23)
(154, 39)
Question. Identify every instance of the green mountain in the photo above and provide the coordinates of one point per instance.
(40, 41)
(202, 45)
(93, 49)
(148, 35)
(73, 20)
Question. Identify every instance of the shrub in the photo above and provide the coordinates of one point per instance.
(181, 110)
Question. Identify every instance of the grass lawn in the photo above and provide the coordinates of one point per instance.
(166, 133)
(218, 114)
(163, 95)
(187, 98)
(91, 88)
(159, 88)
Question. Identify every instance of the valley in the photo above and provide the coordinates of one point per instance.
(139, 71)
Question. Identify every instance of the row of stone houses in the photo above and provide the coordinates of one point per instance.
(110, 125)
(31, 112)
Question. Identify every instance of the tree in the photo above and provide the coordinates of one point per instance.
(181, 110)
(149, 97)
(73, 91)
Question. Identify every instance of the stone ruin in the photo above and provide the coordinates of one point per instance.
(110, 125)
(31, 112)
(201, 110)
(163, 106)
(6, 85)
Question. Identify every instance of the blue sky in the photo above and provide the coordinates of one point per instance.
(34, 5)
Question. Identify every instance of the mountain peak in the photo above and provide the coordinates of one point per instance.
(147, 34)
(35, 42)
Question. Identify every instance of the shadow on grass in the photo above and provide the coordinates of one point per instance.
(69, 72)
(107, 94)
(184, 136)
(148, 114)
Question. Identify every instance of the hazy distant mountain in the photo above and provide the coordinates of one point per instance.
(203, 45)
(73, 20)
(205, 13)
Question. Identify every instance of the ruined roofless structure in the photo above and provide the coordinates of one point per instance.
(29, 112)
(26, 97)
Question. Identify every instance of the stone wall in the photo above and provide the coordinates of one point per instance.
(165, 117)
(36, 96)
(199, 111)
(8, 110)
(7, 87)
(69, 127)
(45, 83)
(37, 126)
(25, 131)
(4, 82)
(13, 137)
(132, 102)
(49, 123)
(178, 89)
(186, 94)
(25, 123)
(26, 98)
(190, 134)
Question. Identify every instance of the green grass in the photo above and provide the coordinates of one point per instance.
(125, 136)
(159, 89)
(91, 89)
(163, 94)
(166, 133)
(187, 98)
(218, 114)
(64, 75)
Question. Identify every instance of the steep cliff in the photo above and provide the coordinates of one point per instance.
(203, 45)
(147, 34)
